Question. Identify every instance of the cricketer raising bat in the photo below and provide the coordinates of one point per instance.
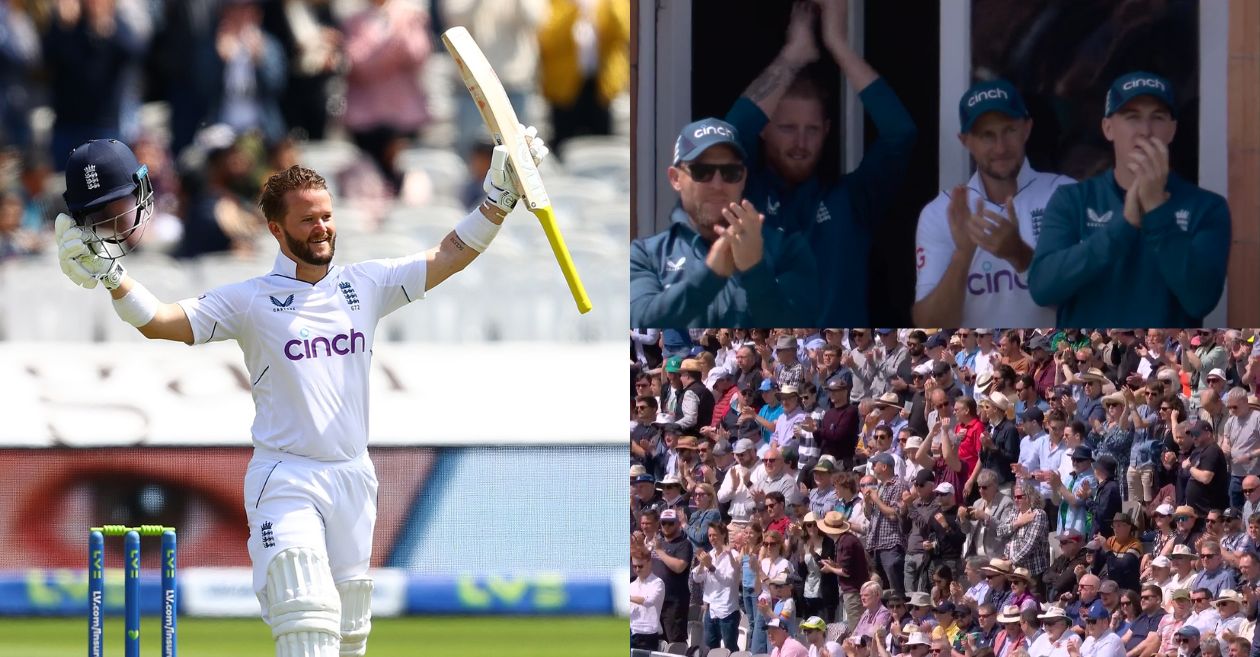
(492, 101)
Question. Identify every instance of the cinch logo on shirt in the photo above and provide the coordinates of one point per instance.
(993, 282)
(299, 349)
(990, 94)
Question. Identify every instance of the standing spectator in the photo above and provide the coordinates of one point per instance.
(849, 566)
(837, 432)
(249, 73)
(788, 111)
(736, 488)
(885, 537)
(1107, 500)
(918, 513)
(793, 415)
(1113, 436)
(1000, 445)
(1075, 492)
(671, 560)
(387, 45)
(822, 497)
(968, 430)
(647, 593)
(697, 401)
(91, 52)
(507, 31)
(947, 543)
(820, 595)
(20, 57)
(1241, 435)
(584, 51)
(645, 347)
(307, 31)
(717, 571)
(1207, 468)
(705, 514)
(1028, 545)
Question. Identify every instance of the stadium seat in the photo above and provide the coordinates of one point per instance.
(677, 648)
(444, 167)
(742, 653)
(695, 631)
(719, 652)
(38, 303)
(327, 156)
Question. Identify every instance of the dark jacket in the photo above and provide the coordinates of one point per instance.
(1088, 256)
(670, 284)
(837, 433)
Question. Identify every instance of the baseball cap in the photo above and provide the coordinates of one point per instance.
(814, 623)
(699, 136)
(1161, 562)
(767, 385)
(1034, 415)
(1217, 372)
(945, 488)
(669, 515)
(940, 368)
(840, 380)
(1070, 535)
(673, 364)
(721, 448)
(776, 622)
(1139, 83)
(1164, 509)
(1187, 630)
(1108, 586)
(743, 445)
(936, 340)
(990, 96)
(923, 477)
(1198, 427)
(1039, 342)
(644, 479)
(100, 171)
(946, 607)
(1098, 612)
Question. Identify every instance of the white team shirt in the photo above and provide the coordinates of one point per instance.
(308, 347)
(996, 294)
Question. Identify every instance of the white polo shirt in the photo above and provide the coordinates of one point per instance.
(308, 347)
(996, 294)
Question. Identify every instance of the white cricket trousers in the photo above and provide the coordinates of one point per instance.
(294, 501)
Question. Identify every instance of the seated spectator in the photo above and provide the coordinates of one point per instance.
(1056, 635)
(15, 240)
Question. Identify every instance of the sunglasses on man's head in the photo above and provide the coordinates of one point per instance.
(731, 173)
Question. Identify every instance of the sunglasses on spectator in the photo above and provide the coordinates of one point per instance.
(936, 651)
(770, 544)
(1181, 518)
(1248, 491)
(1183, 641)
(1198, 599)
(769, 460)
(943, 405)
(985, 486)
(1019, 497)
(1208, 556)
(640, 565)
(1213, 520)
(642, 384)
(700, 493)
(731, 173)
(1149, 597)
(1165, 408)
(1128, 603)
(988, 615)
(669, 522)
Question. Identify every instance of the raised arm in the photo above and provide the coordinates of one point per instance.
(133, 303)
(835, 25)
(799, 50)
(473, 234)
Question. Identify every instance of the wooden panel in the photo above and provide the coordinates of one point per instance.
(1244, 163)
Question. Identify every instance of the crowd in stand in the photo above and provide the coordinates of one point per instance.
(241, 82)
(973, 493)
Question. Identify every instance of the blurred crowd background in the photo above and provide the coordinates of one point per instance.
(215, 94)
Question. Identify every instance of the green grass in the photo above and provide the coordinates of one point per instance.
(409, 636)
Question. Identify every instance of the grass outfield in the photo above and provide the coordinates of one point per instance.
(410, 636)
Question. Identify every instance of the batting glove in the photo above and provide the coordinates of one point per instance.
(78, 263)
(502, 187)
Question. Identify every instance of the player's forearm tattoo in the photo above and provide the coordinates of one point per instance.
(772, 80)
(458, 243)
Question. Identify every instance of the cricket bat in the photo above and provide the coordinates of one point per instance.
(492, 101)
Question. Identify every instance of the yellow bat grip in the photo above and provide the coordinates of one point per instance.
(547, 218)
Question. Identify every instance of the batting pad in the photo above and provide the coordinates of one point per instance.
(304, 604)
(356, 616)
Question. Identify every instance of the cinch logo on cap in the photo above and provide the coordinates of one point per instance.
(990, 94)
(1144, 82)
(712, 130)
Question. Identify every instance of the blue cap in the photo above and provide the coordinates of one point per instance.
(644, 479)
(1139, 83)
(884, 331)
(1098, 612)
(1188, 630)
(1082, 453)
(990, 96)
(698, 137)
(100, 171)
(886, 459)
(767, 385)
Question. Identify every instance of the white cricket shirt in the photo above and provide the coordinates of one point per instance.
(308, 347)
(996, 295)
